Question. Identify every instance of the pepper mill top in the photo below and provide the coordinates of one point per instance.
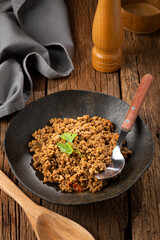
(107, 35)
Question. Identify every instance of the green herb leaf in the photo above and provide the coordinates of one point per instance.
(69, 137)
(65, 147)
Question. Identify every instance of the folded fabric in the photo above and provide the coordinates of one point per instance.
(33, 35)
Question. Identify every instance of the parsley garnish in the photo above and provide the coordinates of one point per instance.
(69, 137)
(68, 147)
(65, 147)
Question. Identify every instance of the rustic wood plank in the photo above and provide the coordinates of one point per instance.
(25, 229)
(149, 62)
(138, 60)
(14, 224)
(98, 218)
(7, 205)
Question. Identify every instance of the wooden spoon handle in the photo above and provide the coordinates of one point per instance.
(13, 191)
(137, 102)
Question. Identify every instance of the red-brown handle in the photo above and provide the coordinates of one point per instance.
(137, 102)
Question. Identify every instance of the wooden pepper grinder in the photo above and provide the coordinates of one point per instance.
(107, 34)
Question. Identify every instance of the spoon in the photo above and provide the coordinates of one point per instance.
(118, 161)
(47, 225)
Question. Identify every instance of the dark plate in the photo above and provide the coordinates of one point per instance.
(75, 103)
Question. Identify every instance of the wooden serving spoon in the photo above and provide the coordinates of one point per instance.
(46, 224)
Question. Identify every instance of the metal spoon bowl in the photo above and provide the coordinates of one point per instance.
(118, 160)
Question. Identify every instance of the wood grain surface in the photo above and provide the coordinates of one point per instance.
(135, 215)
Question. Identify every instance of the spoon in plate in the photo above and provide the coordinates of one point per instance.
(47, 225)
(118, 161)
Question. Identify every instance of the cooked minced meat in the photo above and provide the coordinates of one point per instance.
(95, 140)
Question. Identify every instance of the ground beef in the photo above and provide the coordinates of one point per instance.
(95, 140)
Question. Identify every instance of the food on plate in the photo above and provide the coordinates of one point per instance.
(71, 151)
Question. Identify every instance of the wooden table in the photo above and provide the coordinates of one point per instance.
(135, 215)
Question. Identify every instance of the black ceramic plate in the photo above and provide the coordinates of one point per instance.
(75, 103)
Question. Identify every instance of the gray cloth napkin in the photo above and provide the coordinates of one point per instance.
(34, 34)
